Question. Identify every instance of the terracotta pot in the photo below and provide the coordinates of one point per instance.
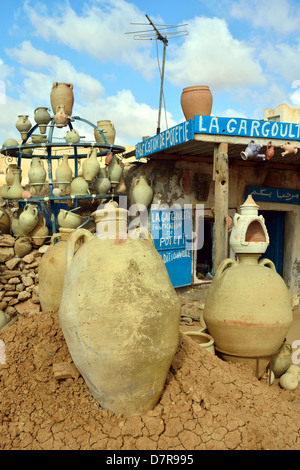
(282, 360)
(28, 218)
(114, 171)
(90, 166)
(67, 219)
(72, 137)
(23, 125)
(37, 174)
(124, 358)
(204, 340)
(62, 94)
(196, 101)
(109, 132)
(16, 190)
(42, 118)
(9, 177)
(79, 187)
(40, 233)
(142, 192)
(63, 173)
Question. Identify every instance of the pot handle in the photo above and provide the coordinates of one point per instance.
(76, 239)
(226, 263)
(268, 263)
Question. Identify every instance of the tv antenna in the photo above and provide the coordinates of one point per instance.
(155, 34)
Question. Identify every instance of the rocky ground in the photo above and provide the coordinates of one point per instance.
(206, 403)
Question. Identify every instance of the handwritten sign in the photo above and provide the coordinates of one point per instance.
(285, 196)
(176, 135)
(246, 128)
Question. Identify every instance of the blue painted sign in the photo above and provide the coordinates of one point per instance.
(246, 128)
(172, 234)
(176, 135)
(287, 196)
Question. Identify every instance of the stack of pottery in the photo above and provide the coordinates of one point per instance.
(42, 118)
(248, 309)
(124, 358)
(37, 174)
(90, 166)
(108, 130)
(23, 125)
(196, 101)
(63, 172)
(62, 100)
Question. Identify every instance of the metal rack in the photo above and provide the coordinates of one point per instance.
(51, 200)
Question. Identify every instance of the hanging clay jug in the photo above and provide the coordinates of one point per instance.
(282, 360)
(91, 166)
(68, 219)
(63, 172)
(124, 358)
(72, 137)
(37, 174)
(79, 187)
(62, 100)
(4, 222)
(196, 101)
(22, 246)
(270, 151)
(16, 190)
(23, 125)
(40, 233)
(9, 177)
(142, 192)
(28, 218)
(109, 132)
(114, 171)
(42, 118)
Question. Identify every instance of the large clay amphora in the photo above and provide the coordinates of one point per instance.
(63, 172)
(142, 192)
(90, 166)
(37, 174)
(16, 190)
(62, 100)
(248, 311)
(28, 218)
(124, 344)
(52, 271)
(109, 132)
(196, 101)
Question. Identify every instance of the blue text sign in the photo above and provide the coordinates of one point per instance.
(284, 196)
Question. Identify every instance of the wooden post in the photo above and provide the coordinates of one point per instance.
(221, 178)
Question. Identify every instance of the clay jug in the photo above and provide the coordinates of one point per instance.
(72, 137)
(282, 360)
(63, 172)
(109, 132)
(42, 118)
(62, 101)
(23, 125)
(270, 151)
(4, 222)
(52, 271)
(16, 190)
(91, 166)
(124, 358)
(40, 232)
(114, 171)
(9, 176)
(37, 174)
(79, 187)
(142, 192)
(248, 310)
(28, 218)
(196, 101)
(22, 246)
(102, 185)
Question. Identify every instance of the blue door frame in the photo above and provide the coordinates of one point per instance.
(275, 226)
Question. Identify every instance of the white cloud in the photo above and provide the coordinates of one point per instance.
(211, 56)
(99, 32)
(278, 15)
(282, 59)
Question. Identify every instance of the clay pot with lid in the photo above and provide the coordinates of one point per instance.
(196, 101)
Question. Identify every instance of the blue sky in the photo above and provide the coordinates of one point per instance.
(246, 51)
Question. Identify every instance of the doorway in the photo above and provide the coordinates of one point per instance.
(275, 221)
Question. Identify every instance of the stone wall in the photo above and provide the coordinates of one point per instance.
(19, 290)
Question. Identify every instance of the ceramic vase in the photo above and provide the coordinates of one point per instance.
(72, 137)
(16, 190)
(79, 186)
(102, 185)
(62, 101)
(23, 125)
(40, 233)
(28, 218)
(37, 174)
(9, 177)
(142, 192)
(139, 341)
(91, 166)
(109, 132)
(282, 360)
(42, 118)
(63, 172)
(196, 101)
(114, 171)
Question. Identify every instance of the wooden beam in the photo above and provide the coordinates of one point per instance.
(221, 178)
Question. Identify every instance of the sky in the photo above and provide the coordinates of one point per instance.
(246, 51)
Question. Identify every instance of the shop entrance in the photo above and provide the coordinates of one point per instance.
(275, 221)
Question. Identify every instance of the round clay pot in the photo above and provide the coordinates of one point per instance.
(196, 101)
(204, 340)
(288, 381)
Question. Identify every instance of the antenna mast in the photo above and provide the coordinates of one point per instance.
(155, 34)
